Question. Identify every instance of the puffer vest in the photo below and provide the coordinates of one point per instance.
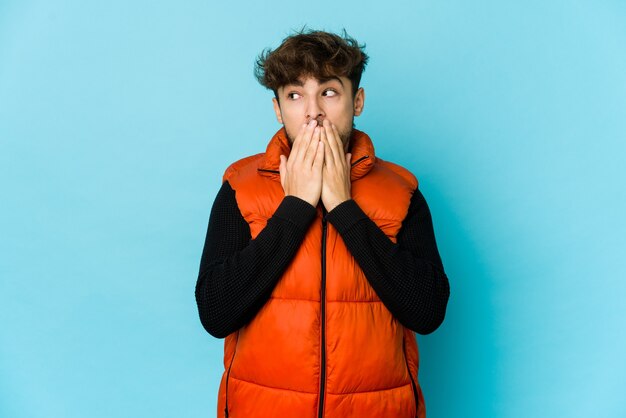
(324, 344)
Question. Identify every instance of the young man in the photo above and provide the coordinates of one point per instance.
(320, 261)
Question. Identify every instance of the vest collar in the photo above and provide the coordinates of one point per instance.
(361, 147)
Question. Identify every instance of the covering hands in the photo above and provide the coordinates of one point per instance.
(317, 166)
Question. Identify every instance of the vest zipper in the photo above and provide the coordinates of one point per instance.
(410, 376)
(227, 376)
(323, 305)
(323, 320)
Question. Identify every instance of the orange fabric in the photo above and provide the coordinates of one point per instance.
(272, 365)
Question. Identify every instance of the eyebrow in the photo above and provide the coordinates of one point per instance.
(321, 81)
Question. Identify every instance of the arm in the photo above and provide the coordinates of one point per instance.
(237, 274)
(408, 276)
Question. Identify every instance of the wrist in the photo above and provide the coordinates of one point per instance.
(346, 215)
(336, 203)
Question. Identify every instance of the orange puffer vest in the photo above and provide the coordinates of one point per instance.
(323, 345)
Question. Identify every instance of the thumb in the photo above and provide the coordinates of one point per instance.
(282, 169)
(348, 158)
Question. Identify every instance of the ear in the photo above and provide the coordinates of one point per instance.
(359, 101)
(279, 116)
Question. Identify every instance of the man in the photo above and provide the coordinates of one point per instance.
(320, 261)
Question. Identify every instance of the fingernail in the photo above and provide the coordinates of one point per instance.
(312, 121)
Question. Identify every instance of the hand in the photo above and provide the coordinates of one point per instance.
(301, 174)
(336, 171)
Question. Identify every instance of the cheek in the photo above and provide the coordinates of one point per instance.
(344, 113)
(342, 121)
(291, 115)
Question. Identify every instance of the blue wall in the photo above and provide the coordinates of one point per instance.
(118, 118)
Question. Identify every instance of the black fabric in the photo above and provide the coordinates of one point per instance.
(408, 276)
(237, 274)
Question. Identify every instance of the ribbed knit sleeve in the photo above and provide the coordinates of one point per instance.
(408, 276)
(237, 274)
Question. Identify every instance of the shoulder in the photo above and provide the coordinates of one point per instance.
(400, 171)
(241, 165)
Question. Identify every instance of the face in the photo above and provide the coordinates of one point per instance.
(310, 98)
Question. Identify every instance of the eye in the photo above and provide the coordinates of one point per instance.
(332, 91)
(290, 95)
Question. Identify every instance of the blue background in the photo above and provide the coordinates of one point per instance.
(118, 118)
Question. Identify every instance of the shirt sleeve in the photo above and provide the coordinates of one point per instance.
(408, 276)
(237, 274)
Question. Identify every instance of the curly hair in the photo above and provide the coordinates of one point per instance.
(312, 53)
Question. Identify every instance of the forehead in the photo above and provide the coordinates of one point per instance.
(302, 80)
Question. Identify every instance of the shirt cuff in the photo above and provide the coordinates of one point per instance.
(345, 215)
(295, 210)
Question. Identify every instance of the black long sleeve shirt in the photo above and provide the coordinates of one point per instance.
(237, 274)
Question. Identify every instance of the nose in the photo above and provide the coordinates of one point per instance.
(314, 111)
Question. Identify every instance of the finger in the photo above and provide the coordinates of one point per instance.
(319, 156)
(328, 156)
(333, 142)
(336, 131)
(348, 159)
(340, 144)
(295, 147)
(312, 148)
(307, 135)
